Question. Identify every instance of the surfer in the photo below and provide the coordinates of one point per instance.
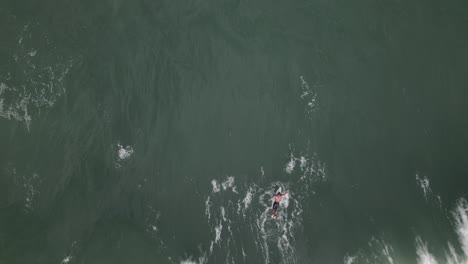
(276, 201)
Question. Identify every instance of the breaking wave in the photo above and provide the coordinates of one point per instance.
(379, 251)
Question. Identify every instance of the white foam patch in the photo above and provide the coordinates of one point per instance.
(303, 162)
(424, 256)
(66, 260)
(248, 198)
(377, 251)
(218, 230)
(244, 204)
(349, 259)
(188, 261)
(452, 256)
(207, 208)
(228, 183)
(311, 168)
(124, 152)
(17, 110)
(290, 165)
(387, 252)
(215, 185)
(460, 214)
(39, 80)
(201, 260)
(423, 252)
(223, 213)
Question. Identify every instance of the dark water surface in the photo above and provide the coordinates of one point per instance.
(156, 131)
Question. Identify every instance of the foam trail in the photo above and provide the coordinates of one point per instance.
(218, 230)
(424, 256)
(207, 208)
(248, 199)
(290, 165)
(460, 215)
(451, 256)
(234, 211)
(461, 221)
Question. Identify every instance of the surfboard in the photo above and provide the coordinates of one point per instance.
(278, 190)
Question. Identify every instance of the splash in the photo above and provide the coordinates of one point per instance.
(123, 155)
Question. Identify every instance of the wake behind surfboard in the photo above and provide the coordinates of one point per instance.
(276, 202)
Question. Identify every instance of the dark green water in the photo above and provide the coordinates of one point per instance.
(156, 131)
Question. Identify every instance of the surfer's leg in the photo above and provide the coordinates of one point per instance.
(275, 208)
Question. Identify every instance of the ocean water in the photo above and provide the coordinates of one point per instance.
(157, 131)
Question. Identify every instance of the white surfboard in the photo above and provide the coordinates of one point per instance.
(278, 190)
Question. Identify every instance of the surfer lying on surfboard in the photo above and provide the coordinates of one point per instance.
(276, 201)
